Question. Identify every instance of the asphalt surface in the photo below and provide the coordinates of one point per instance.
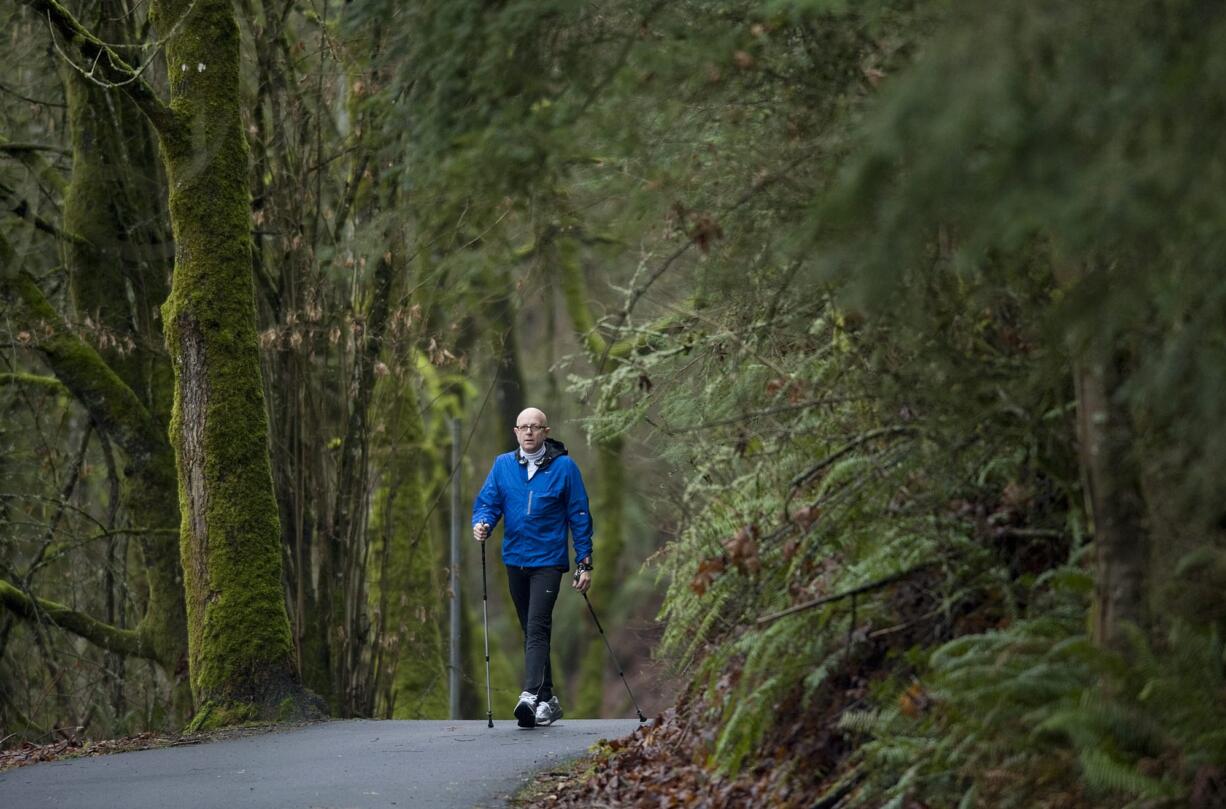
(357, 764)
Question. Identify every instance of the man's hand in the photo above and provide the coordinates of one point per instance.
(582, 580)
(481, 531)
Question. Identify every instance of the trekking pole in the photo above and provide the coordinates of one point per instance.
(485, 621)
(612, 656)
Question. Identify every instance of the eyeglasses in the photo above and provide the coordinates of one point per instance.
(532, 428)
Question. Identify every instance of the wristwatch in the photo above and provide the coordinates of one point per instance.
(584, 567)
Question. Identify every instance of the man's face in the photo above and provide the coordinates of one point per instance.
(530, 430)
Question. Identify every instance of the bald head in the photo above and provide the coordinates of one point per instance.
(531, 427)
(532, 416)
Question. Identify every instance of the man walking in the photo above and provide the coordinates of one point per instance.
(538, 490)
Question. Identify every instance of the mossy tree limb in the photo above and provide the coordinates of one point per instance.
(115, 408)
(575, 293)
(129, 642)
(123, 418)
(47, 383)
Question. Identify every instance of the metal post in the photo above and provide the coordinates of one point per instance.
(455, 569)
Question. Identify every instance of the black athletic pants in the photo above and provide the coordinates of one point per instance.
(534, 591)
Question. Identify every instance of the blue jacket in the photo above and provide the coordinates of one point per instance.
(538, 512)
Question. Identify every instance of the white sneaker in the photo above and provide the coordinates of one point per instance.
(525, 710)
(548, 712)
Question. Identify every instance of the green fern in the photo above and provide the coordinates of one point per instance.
(1104, 772)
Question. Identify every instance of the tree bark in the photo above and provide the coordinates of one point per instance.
(1121, 541)
(1111, 477)
(347, 546)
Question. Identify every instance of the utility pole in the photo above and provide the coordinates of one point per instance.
(455, 569)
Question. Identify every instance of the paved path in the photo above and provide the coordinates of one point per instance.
(358, 764)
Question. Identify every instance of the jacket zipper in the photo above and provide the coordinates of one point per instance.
(529, 502)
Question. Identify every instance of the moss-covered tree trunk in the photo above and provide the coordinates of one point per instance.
(609, 510)
(240, 650)
(609, 543)
(407, 587)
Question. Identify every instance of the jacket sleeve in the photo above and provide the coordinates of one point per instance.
(487, 508)
(579, 514)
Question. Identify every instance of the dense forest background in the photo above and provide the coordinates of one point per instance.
(889, 336)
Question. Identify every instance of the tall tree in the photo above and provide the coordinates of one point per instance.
(239, 645)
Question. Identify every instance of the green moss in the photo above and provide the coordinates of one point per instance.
(574, 292)
(83, 371)
(213, 715)
(47, 383)
(287, 710)
(123, 641)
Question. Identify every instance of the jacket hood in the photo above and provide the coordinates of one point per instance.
(553, 449)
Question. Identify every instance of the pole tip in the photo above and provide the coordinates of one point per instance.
(641, 717)
(490, 719)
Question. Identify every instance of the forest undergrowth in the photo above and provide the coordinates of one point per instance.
(896, 329)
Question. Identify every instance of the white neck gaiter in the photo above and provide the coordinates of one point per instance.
(533, 459)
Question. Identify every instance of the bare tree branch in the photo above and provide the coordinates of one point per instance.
(4, 88)
(30, 155)
(639, 291)
(109, 65)
(22, 211)
(24, 148)
(855, 591)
